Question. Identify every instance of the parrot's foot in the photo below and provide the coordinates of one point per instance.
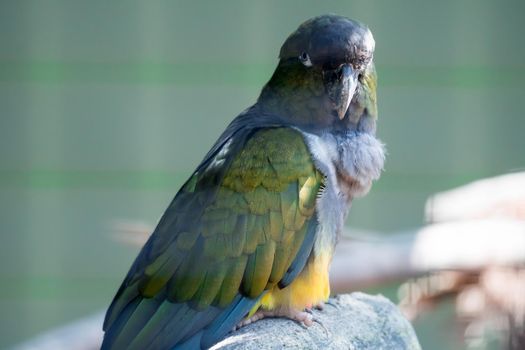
(302, 317)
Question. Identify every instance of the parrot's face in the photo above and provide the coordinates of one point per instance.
(326, 75)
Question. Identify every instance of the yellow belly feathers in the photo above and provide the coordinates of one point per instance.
(310, 288)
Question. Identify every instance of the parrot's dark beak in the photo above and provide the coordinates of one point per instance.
(340, 84)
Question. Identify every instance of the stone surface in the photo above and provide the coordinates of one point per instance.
(350, 321)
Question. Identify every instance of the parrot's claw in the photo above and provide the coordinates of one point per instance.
(303, 317)
(329, 302)
(320, 306)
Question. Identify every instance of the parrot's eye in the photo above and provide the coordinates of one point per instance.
(305, 59)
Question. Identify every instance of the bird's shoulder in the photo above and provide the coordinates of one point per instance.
(271, 159)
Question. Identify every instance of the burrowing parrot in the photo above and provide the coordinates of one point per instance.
(252, 232)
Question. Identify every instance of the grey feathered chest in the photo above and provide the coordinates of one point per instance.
(350, 162)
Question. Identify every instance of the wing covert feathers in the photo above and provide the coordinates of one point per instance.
(233, 231)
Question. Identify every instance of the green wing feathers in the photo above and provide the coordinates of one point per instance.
(245, 237)
(232, 232)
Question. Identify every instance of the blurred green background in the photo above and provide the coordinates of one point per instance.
(106, 107)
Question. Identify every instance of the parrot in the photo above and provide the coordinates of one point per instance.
(252, 232)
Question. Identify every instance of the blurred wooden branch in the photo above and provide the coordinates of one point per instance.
(465, 245)
(502, 196)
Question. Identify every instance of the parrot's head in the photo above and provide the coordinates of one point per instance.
(326, 76)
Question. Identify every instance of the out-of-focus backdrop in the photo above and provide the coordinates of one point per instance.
(106, 108)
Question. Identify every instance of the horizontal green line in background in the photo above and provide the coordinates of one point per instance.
(243, 74)
(170, 181)
(52, 287)
(70, 179)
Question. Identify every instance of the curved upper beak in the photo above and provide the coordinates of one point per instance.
(340, 84)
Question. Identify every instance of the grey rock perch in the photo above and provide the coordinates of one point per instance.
(349, 321)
